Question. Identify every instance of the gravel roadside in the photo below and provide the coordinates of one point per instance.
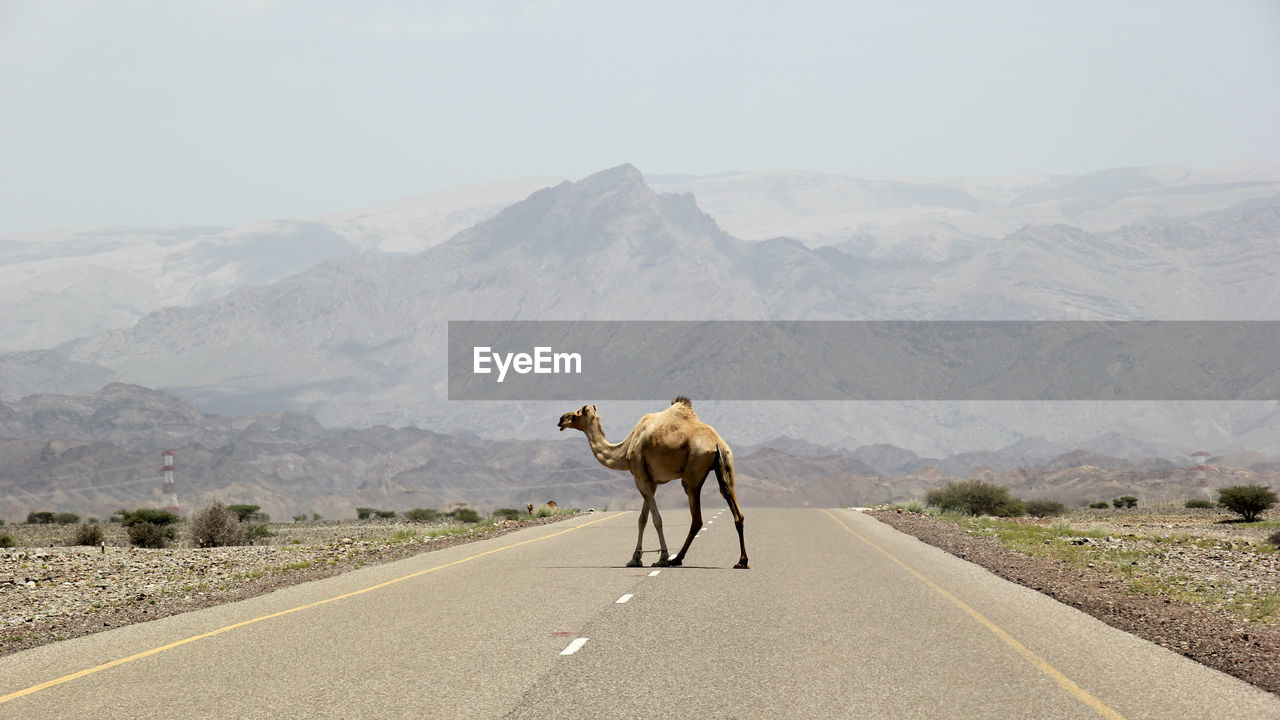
(54, 592)
(1208, 635)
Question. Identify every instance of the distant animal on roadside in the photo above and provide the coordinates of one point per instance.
(664, 446)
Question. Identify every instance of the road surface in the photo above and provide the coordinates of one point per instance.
(839, 617)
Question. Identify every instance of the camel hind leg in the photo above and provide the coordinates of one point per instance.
(694, 491)
(724, 477)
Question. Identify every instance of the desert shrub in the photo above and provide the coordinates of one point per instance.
(422, 515)
(316, 517)
(466, 515)
(216, 526)
(150, 535)
(245, 513)
(300, 518)
(43, 517)
(1099, 505)
(1045, 508)
(6, 541)
(66, 518)
(364, 513)
(149, 527)
(146, 515)
(975, 497)
(1198, 504)
(1125, 501)
(507, 513)
(1248, 501)
(255, 531)
(86, 534)
(385, 514)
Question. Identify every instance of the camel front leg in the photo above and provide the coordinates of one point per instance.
(644, 518)
(663, 559)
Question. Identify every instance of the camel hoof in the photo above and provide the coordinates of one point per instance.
(662, 562)
(676, 562)
(742, 566)
(635, 562)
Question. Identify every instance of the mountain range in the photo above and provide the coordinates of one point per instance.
(95, 453)
(343, 319)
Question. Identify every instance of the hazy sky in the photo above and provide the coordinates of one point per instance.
(223, 112)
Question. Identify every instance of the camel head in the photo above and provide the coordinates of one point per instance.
(578, 420)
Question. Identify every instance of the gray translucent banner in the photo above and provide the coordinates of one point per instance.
(867, 360)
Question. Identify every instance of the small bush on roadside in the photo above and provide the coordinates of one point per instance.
(1125, 501)
(1249, 501)
(255, 531)
(385, 514)
(1045, 508)
(1197, 504)
(975, 497)
(911, 506)
(466, 515)
(364, 513)
(1099, 505)
(66, 518)
(149, 527)
(507, 513)
(6, 541)
(216, 526)
(150, 535)
(86, 534)
(422, 515)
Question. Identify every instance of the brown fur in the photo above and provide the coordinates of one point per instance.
(664, 446)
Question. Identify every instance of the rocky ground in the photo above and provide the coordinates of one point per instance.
(50, 592)
(1190, 582)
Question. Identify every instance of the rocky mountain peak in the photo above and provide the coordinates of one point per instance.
(578, 218)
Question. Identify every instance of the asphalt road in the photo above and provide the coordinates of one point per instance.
(839, 617)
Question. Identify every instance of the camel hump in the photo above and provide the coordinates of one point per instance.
(683, 401)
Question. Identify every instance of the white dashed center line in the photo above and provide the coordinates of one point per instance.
(574, 646)
(655, 572)
(623, 599)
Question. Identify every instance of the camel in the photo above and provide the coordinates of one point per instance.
(664, 446)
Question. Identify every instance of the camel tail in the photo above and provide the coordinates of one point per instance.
(724, 466)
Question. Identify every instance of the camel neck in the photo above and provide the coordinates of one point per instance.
(612, 456)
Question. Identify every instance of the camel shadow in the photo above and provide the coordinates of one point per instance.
(673, 568)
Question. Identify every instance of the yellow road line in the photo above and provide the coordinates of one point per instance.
(155, 651)
(1038, 662)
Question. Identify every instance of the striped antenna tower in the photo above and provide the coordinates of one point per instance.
(1198, 469)
(170, 500)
